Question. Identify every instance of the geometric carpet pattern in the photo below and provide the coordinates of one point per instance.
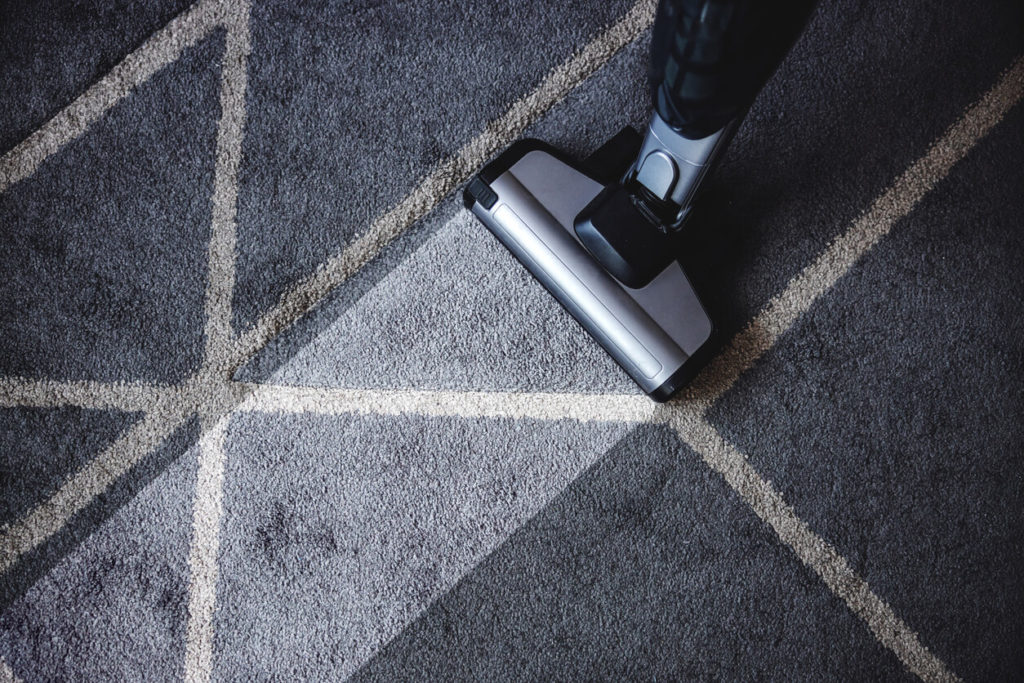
(355, 457)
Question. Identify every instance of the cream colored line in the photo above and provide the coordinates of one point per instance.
(207, 505)
(230, 131)
(468, 404)
(204, 394)
(46, 519)
(778, 316)
(162, 48)
(813, 550)
(202, 559)
(17, 392)
(837, 259)
(448, 175)
(6, 674)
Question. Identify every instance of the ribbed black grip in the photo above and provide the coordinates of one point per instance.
(710, 58)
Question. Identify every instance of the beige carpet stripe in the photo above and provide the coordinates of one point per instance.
(162, 48)
(778, 316)
(207, 504)
(465, 404)
(89, 482)
(448, 175)
(230, 131)
(895, 203)
(202, 559)
(812, 549)
(6, 674)
(16, 392)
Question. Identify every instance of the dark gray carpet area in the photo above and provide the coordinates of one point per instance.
(112, 602)
(52, 50)
(386, 539)
(89, 294)
(866, 90)
(896, 390)
(647, 568)
(343, 118)
(41, 435)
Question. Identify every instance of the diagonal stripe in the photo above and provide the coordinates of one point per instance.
(221, 275)
(204, 392)
(778, 316)
(831, 264)
(813, 550)
(448, 175)
(469, 404)
(202, 559)
(162, 48)
(16, 392)
(89, 482)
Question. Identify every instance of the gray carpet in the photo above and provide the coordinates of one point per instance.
(274, 406)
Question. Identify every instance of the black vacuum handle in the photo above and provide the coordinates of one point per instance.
(710, 58)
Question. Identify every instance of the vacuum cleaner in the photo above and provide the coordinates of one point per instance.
(602, 235)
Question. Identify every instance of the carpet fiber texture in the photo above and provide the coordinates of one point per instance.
(273, 405)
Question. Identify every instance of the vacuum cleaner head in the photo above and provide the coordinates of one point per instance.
(539, 204)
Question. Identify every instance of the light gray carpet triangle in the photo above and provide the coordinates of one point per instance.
(459, 313)
(379, 517)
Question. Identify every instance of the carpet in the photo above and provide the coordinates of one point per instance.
(273, 405)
